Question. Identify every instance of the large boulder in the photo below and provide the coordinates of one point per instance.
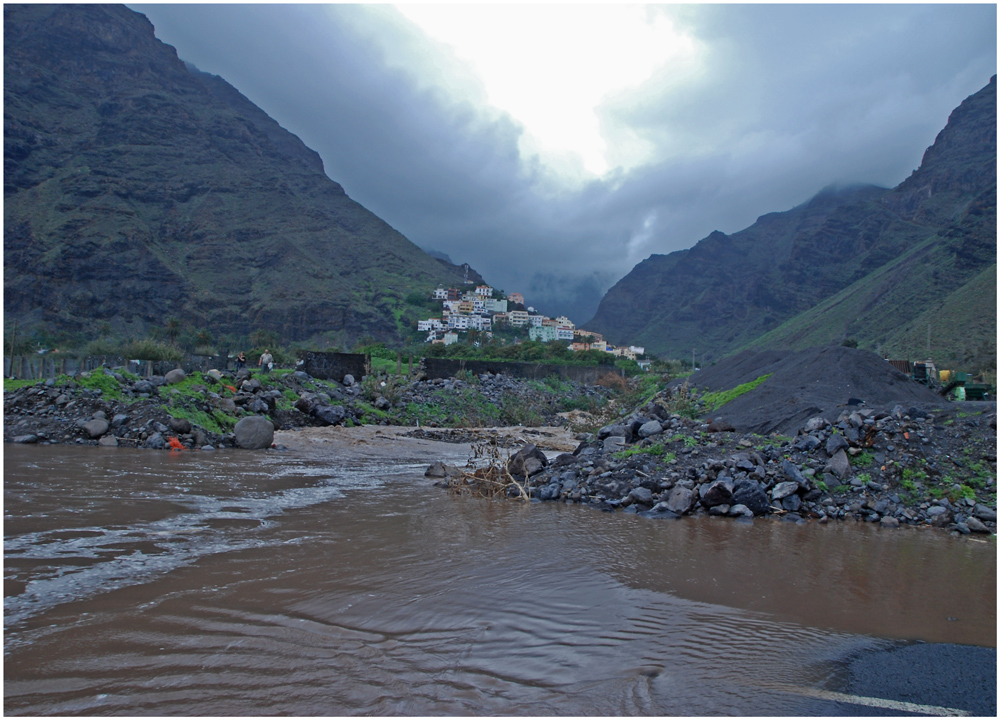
(839, 465)
(653, 427)
(617, 430)
(96, 427)
(680, 500)
(329, 414)
(254, 433)
(719, 492)
(181, 426)
(784, 489)
(750, 494)
(527, 461)
(175, 376)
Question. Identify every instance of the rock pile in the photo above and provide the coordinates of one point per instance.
(904, 466)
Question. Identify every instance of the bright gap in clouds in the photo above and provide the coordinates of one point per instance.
(550, 66)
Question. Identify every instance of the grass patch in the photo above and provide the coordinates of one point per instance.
(656, 449)
(714, 400)
(9, 384)
(217, 421)
(862, 459)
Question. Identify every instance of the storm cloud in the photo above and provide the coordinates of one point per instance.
(783, 101)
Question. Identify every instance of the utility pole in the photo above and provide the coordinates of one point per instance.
(692, 360)
(928, 341)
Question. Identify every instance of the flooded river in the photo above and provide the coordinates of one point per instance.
(333, 579)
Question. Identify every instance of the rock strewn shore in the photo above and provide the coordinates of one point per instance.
(903, 466)
(71, 410)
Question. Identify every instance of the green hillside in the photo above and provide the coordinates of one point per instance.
(137, 188)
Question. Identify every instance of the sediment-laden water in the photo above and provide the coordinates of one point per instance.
(333, 579)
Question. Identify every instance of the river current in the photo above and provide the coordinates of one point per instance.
(332, 578)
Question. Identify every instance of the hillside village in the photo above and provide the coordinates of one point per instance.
(482, 309)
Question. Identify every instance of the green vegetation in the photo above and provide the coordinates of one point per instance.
(655, 449)
(688, 440)
(714, 400)
(862, 459)
(822, 485)
(216, 421)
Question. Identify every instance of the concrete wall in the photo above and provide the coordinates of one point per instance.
(334, 366)
(42, 367)
(443, 368)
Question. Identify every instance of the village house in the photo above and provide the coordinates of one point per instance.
(430, 324)
(450, 338)
(579, 347)
(517, 318)
(484, 291)
(564, 333)
(495, 306)
(563, 321)
(587, 336)
(544, 333)
(516, 298)
(440, 294)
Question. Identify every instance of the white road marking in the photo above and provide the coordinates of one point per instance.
(874, 702)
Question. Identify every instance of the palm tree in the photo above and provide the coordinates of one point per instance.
(172, 329)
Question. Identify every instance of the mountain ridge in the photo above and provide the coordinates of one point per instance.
(729, 292)
(138, 187)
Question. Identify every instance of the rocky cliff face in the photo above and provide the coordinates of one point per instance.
(137, 188)
(728, 291)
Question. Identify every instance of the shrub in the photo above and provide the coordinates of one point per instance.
(151, 350)
(613, 381)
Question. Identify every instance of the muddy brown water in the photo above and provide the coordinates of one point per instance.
(333, 579)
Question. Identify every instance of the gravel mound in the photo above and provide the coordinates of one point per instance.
(806, 383)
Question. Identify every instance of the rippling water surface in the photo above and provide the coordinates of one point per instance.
(335, 583)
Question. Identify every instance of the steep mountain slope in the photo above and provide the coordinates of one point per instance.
(136, 188)
(903, 251)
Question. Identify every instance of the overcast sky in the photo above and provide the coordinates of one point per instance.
(554, 147)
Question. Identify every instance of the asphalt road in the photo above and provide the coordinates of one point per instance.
(920, 679)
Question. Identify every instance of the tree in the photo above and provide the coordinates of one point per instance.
(264, 338)
(172, 329)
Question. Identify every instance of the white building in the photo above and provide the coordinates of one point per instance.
(495, 306)
(564, 333)
(637, 350)
(536, 320)
(440, 294)
(484, 291)
(563, 321)
(429, 324)
(458, 322)
(450, 338)
(480, 322)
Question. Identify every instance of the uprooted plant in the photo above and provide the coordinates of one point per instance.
(487, 475)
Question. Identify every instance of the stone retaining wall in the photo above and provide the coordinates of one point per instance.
(334, 366)
(443, 368)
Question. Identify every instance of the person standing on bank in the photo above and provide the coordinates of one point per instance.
(266, 362)
(241, 361)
